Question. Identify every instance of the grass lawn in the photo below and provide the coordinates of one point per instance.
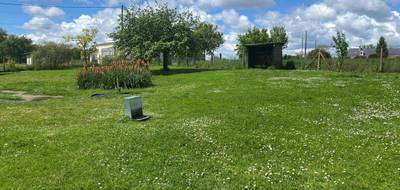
(213, 129)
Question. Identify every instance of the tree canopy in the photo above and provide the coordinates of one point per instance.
(382, 45)
(255, 35)
(86, 42)
(279, 35)
(207, 37)
(146, 32)
(15, 47)
(341, 47)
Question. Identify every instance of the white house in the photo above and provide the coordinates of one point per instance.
(103, 50)
(29, 59)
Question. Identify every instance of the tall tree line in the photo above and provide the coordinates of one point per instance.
(14, 47)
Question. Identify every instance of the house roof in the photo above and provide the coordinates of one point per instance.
(104, 44)
(263, 44)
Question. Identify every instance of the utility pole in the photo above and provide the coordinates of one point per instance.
(302, 45)
(122, 17)
(305, 44)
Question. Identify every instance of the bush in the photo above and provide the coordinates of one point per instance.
(120, 74)
(359, 57)
(53, 56)
(11, 65)
(290, 65)
(216, 64)
(373, 56)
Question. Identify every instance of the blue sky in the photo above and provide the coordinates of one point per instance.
(363, 21)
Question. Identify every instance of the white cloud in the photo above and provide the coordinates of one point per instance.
(40, 24)
(377, 9)
(228, 48)
(319, 12)
(238, 3)
(322, 21)
(37, 11)
(234, 21)
(105, 21)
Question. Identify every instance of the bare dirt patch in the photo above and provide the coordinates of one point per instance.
(28, 97)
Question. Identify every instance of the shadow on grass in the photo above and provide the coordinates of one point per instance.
(180, 71)
(5, 73)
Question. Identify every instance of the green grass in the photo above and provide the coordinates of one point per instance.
(360, 65)
(9, 97)
(259, 129)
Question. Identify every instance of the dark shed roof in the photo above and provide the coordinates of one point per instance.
(263, 44)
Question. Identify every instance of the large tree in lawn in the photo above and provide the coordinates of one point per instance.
(208, 38)
(147, 32)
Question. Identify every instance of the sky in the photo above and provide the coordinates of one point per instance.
(363, 21)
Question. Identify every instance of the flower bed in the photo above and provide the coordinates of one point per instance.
(120, 74)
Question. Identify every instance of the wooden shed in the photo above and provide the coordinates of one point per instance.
(263, 55)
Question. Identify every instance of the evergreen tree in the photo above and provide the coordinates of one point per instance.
(382, 44)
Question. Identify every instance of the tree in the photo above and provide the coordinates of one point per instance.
(382, 45)
(279, 35)
(86, 42)
(252, 36)
(3, 37)
(16, 48)
(341, 47)
(207, 38)
(52, 56)
(147, 32)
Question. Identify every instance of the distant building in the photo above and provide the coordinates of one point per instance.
(29, 60)
(263, 55)
(103, 50)
(357, 52)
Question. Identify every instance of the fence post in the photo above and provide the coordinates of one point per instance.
(381, 61)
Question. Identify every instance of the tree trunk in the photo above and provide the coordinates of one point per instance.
(165, 60)
(381, 61)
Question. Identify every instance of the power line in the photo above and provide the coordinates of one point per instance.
(58, 6)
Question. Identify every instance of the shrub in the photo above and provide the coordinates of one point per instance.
(373, 56)
(52, 56)
(120, 74)
(359, 57)
(290, 65)
(11, 65)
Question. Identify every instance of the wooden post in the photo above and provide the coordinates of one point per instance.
(302, 45)
(381, 61)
